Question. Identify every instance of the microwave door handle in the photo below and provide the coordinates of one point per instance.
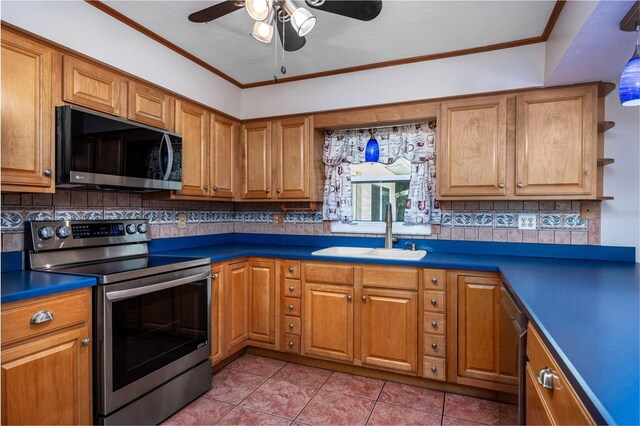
(139, 291)
(166, 141)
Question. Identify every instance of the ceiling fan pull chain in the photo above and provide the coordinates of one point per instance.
(283, 69)
(275, 58)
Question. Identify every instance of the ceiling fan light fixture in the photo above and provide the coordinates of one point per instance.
(258, 9)
(302, 20)
(262, 32)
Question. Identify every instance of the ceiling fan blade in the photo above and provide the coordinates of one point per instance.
(214, 12)
(292, 41)
(363, 10)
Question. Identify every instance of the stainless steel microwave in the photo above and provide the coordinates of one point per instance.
(98, 150)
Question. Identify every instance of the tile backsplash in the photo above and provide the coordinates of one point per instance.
(557, 222)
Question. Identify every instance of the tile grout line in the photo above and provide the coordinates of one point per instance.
(375, 402)
(314, 395)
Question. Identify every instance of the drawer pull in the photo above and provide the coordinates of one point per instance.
(434, 302)
(349, 298)
(434, 345)
(291, 325)
(291, 269)
(290, 344)
(291, 307)
(291, 289)
(545, 378)
(434, 280)
(434, 324)
(86, 342)
(364, 298)
(434, 368)
(41, 316)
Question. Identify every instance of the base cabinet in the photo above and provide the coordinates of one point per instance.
(390, 329)
(46, 368)
(217, 317)
(262, 301)
(235, 307)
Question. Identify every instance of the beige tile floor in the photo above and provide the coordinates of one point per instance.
(255, 390)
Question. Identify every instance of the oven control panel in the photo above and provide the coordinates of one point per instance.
(60, 234)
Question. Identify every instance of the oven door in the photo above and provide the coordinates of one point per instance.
(150, 330)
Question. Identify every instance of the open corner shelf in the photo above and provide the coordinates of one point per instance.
(603, 126)
(605, 161)
(604, 198)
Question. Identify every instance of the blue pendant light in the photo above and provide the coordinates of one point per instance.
(372, 150)
(629, 87)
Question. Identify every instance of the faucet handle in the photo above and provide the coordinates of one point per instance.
(411, 246)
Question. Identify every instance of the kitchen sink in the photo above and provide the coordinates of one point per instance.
(371, 253)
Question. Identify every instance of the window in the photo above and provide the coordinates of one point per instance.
(373, 185)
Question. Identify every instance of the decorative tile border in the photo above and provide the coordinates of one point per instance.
(508, 219)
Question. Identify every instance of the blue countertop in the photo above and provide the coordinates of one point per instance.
(587, 309)
(21, 285)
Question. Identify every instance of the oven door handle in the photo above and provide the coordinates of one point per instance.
(125, 294)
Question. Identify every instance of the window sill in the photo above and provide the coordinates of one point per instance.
(363, 227)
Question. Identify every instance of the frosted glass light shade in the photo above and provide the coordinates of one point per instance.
(262, 32)
(629, 87)
(258, 9)
(303, 21)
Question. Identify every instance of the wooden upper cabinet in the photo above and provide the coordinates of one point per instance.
(390, 329)
(27, 115)
(256, 148)
(150, 106)
(262, 299)
(91, 86)
(221, 156)
(472, 153)
(556, 142)
(192, 123)
(293, 162)
(328, 321)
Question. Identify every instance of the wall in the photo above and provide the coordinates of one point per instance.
(558, 222)
(504, 69)
(83, 28)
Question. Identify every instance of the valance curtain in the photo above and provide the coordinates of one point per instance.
(414, 142)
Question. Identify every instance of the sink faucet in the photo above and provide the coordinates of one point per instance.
(388, 235)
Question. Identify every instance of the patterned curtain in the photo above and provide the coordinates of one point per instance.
(414, 142)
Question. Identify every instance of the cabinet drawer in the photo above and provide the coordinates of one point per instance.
(66, 310)
(433, 368)
(292, 325)
(563, 403)
(434, 345)
(389, 277)
(435, 279)
(291, 288)
(292, 306)
(434, 301)
(537, 413)
(291, 269)
(292, 343)
(434, 323)
(330, 273)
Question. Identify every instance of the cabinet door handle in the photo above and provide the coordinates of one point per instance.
(291, 325)
(291, 269)
(291, 289)
(434, 345)
(206, 187)
(501, 185)
(42, 317)
(349, 298)
(278, 190)
(291, 307)
(520, 185)
(214, 277)
(434, 368)
(215, 188)
(434, 302)
(434, 324)
(545, 378)
(364, 299)
(267, 191)
(434, 280)
(86, 342)
(48, 172)
(290, 344)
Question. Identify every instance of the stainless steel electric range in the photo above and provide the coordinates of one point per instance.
(151, 315)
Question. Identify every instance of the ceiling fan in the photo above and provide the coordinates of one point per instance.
(291, 21)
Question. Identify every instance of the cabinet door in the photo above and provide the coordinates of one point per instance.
(256, 146)
(217, 317)
(262, 308)
(150, 106)
(472, 149)
(478, 327)
(236, 306)
(47, 381)
(223, 136)
(328, 321)
(92, 86)
(556, 142)
(27, 115)
(390, 329)
(292, 152)
(192, 123)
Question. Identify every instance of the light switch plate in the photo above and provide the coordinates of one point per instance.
(182, 220)
(277, 219)
(527, 221)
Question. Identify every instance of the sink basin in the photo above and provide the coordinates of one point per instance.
(369, 253)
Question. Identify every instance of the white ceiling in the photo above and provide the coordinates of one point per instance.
(403, 29)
